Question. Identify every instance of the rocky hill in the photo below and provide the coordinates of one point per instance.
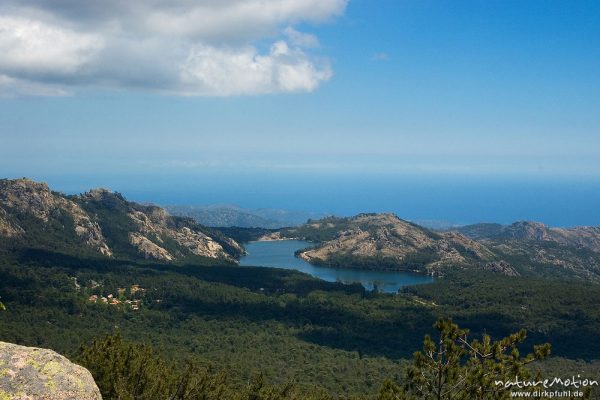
(102, 222)
(384, 241)
(33, 373)
(543, 250)
(587, 237)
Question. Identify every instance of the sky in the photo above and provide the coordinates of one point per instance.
(461, 111)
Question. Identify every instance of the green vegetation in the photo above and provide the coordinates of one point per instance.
(549, 259)
(260, 333)
(318, 231)
(454, 367)
(412, 262)
(243, 320)
(325, 337)
(56, 235)
(125, 370)
(451, 367)
(132, 371)
(558, 311)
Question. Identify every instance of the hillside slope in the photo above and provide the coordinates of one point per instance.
(587, 237)
(384, 241)
(103, 223)
(541, 250)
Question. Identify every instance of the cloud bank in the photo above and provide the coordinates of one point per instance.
(183, 47)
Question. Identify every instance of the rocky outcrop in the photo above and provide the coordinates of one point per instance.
(385, 241)
(501, 266)
(159, 236)
(41, 374)
(197, 243)
(154, 222)
(35, 199)
(7, 228)
(149, 249)
(271, 237)
(26, 196)
(68, 221)
(86, 229)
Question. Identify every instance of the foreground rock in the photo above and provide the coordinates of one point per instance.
(41, 374)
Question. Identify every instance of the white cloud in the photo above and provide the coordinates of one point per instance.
(31, 46)
(201, 47)
(215, 71)
(301, 39)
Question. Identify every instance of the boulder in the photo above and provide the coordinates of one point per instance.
(30, 373)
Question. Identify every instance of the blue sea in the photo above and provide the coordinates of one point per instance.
(452, 199)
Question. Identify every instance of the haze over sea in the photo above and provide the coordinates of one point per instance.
(456, 111)
(456, 199)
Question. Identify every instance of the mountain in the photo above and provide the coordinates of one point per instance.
(223, 216)
(233, 216)
(104, 223)
(384, 241)
(587, 237)
(479, 231)
(537, 249)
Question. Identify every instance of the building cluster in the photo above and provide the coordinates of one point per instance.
(135, 289)
(120, 299)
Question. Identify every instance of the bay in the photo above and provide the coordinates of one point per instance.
(280, 254)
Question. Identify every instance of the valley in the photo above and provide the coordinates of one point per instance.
(212, 298)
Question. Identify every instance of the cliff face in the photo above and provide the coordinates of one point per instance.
(33, 373)
(383, 241)
(105, 223)
(25, 197)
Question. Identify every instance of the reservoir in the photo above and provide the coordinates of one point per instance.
(280, 254)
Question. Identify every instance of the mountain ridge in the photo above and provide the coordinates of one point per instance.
(102, 223)
(384, 241)
(225, 215)
(581, 236)
(105, 223)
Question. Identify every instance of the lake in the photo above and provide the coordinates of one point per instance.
(280, 254)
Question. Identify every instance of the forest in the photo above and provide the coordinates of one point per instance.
(273, 328)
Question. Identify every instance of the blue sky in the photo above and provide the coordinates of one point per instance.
(464, 91)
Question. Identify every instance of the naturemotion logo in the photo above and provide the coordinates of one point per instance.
(560, 387)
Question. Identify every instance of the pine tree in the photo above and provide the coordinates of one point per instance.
(124, 370)
(453, 367)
